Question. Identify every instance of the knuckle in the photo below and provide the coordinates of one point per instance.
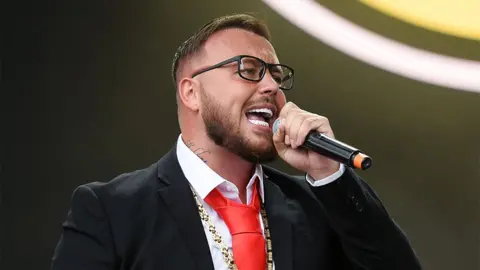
(311, 120)
(324, 119)
(291, 104)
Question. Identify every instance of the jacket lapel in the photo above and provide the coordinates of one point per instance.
(175, 192)
(279, 224)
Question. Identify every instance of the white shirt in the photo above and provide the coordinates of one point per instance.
(203, 180)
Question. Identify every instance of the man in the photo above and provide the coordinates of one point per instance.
(209, 203)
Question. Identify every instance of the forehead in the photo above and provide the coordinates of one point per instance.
(232, 42)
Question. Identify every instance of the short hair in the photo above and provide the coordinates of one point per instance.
(194, 44)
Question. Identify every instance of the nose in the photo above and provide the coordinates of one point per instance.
(268, 85)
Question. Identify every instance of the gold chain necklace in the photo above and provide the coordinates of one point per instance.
(227, 254)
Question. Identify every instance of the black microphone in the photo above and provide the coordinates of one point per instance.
(334, 149)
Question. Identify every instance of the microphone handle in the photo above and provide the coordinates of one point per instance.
(337, 150)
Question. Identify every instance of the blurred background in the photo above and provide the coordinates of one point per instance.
(89, 96)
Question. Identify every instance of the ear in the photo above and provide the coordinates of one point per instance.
(188, 93)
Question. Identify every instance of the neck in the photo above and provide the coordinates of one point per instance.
(226, 164)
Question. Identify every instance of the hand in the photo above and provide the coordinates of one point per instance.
(293, 129)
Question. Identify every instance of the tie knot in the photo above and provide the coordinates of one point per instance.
(239, 218)
(243, 222)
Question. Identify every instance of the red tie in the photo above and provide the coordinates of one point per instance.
(244, 224)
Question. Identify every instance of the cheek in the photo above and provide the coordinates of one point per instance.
(231, 105)
(231, 95)
(281, 100)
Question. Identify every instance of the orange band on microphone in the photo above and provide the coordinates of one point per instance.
(358, 160)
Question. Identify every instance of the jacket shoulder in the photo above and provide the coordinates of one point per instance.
(126, 185)
(284, 180)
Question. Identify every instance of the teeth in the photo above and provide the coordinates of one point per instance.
(258, 122)
(267, 112)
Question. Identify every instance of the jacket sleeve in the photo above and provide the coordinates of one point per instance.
(86, 241)
(369, 236)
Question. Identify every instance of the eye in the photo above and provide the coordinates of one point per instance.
(250, 68)
(277, 77)
(248, 71)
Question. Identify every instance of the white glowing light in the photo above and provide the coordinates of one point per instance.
(377, 50)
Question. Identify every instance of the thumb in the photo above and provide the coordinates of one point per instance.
(279, 138)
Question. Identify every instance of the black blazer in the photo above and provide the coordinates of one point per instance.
(148, 220)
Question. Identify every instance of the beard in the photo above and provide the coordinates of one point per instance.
(223, 131)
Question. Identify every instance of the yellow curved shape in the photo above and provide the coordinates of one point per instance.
(453, 17)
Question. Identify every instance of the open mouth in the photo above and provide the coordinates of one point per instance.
(260, 116)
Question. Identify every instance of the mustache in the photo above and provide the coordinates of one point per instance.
(269, 100)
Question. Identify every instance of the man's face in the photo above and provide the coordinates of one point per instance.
(227, 100)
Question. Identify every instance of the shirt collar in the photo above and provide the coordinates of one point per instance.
(202, 178)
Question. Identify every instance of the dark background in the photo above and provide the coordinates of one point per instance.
(87, 95)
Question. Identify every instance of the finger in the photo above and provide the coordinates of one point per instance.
(292, 124)
(313, 122)
(279, 137)
(291, 116)
(301, 129)
(325, 127)
(287, 122)
(289, 106)
(287, 140)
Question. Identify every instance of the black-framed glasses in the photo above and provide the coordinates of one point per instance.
(253, 69)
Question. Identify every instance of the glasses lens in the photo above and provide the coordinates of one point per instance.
(283, 75)
(251, 68)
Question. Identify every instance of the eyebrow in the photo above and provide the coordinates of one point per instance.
(251, 61)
